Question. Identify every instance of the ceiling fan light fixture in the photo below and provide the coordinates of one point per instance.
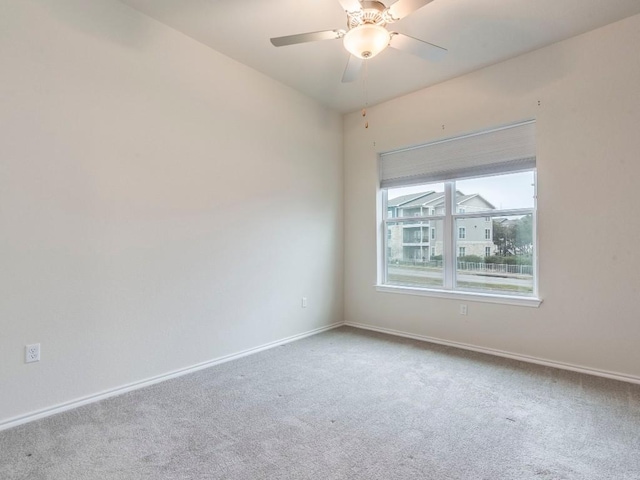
(366, 41)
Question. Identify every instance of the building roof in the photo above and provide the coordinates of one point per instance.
(406, 199)
(433, 199)
(463, 198)
(421, 200)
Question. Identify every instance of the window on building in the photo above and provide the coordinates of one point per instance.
(500, 191)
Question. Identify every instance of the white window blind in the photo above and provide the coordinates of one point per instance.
(500, 150)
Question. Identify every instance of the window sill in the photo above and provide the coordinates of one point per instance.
(467, 296)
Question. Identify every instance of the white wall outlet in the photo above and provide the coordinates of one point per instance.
(463, 309)
(304, 302)
(32, 353)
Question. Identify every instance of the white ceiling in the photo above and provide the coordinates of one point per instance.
(477, 33)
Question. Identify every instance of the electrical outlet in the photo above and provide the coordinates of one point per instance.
(32, 353)
(304, 302)
(463, 309)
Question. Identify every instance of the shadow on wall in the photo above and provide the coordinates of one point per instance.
(98, 19)
(530, 79)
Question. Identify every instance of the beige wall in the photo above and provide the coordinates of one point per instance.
(160, 204)
(588, 125)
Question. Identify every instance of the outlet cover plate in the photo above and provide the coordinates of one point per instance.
(32, 353)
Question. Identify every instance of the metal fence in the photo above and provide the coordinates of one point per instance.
(496, 267)
(473, 266)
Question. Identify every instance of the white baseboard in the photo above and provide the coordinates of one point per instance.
(62, 407)
(500, 353)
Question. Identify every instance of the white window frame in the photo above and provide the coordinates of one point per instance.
(499, 150)
(487, 234)
(487, 251)
(462, 232)
(450, 260)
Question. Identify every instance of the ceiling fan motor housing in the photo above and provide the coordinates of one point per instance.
(372, 13)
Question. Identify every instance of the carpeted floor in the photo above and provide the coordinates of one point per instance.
(345, 404)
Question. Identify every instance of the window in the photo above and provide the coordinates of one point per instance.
(493, 174)
(511, 237)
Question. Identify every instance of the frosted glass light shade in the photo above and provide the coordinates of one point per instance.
(366, 41)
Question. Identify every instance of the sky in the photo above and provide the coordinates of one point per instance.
(513, 190)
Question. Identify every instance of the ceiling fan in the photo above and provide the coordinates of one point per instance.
(366, 35)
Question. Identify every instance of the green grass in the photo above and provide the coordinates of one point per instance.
(497, 288)
(415, 281)
(412, 281)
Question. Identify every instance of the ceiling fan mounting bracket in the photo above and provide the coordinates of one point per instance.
(372, 13)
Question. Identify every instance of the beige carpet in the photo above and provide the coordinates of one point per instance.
(345, 404)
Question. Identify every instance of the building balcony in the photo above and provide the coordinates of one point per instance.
(423, 224)
(415, 243)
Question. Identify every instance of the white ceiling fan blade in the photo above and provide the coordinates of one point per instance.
(402, 8)
(307, 37)
(422, 49)
(350, 5)
(354, 67)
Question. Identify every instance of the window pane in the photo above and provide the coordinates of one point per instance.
(414, 253)
(503, 264)
(418, 201)
(499, 192)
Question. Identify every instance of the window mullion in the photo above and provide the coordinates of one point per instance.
(385, 241)
(449, 253)
(534, 217)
